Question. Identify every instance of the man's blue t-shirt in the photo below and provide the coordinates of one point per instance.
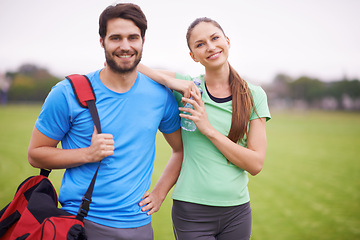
(133, 118)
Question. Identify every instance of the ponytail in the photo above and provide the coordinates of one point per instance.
(242, 104)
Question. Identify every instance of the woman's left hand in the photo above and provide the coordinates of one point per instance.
(150, 203)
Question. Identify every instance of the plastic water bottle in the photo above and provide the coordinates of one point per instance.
(188, 124)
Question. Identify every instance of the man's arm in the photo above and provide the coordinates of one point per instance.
(43, 151)
(152, 201)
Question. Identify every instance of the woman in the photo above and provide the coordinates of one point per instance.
(211, 199)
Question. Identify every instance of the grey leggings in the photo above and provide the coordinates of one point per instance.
(200, 222)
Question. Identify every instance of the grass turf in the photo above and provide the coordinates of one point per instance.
(308, 189)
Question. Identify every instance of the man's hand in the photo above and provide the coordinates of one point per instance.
(102, 145)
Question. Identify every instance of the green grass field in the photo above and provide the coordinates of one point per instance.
(309, 187)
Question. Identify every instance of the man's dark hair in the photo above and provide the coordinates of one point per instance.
(127, 11)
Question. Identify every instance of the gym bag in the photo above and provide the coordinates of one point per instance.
(33, 213)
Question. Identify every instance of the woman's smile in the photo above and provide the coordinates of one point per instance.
(214, 56)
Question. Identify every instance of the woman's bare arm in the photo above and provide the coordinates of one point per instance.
(168, 78)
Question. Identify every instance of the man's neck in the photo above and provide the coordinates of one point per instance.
(118, 82)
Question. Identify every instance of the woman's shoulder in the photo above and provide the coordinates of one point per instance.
(255, 89)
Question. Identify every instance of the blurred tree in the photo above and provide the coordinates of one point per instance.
(30, 83)
(344, 89)
(22, 88)
(307, 89)
(281, 85)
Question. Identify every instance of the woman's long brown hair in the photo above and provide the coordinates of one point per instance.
(241, 106)
(242, 102)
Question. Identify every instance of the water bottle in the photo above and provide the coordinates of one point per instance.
(188, 124)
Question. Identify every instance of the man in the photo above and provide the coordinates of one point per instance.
(132, 108)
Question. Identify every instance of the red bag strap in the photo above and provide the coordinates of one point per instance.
(82, 88)
(85, 96)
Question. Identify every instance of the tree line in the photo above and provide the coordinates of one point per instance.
(28, 84)
(306, 92)
(31, 83)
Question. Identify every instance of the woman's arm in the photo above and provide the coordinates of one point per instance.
(160, 76)
(251, 158)
(152, 200)
(168, 79)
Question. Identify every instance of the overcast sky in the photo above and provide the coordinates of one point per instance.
(317, 38)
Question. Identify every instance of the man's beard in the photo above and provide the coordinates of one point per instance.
(119, 69)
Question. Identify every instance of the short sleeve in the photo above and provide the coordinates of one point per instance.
(171, 119)
(260, 103)
(54, 118)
